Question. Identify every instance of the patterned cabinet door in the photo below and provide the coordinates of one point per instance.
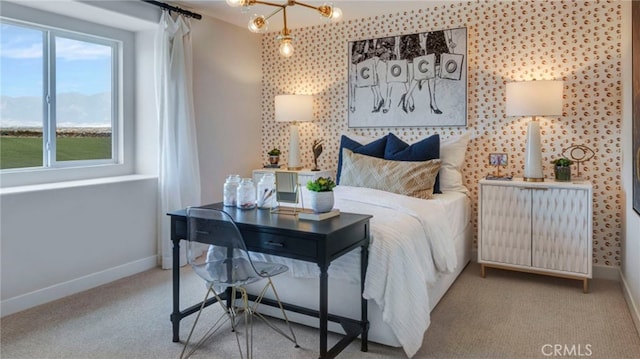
(506, 225)
(561, 229)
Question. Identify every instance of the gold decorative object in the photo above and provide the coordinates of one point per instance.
(260, 23)
(316, 147)
(578, 154)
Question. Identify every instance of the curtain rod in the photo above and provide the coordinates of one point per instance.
(174, 8)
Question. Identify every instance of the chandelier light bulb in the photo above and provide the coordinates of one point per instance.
(234, 3)
(286, 47)
(258, 24)
(336, 15)
(326, 10)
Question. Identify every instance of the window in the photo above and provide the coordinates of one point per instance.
(59, 98)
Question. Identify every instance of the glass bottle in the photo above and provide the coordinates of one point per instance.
(231, 190)
(266, 191)
(246, 194)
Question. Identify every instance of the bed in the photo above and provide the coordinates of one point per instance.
(418, 248)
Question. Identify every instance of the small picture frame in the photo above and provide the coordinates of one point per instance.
(498, 159)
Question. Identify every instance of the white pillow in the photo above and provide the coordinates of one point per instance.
(452, 152)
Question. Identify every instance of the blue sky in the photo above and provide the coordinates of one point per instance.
(81, 67)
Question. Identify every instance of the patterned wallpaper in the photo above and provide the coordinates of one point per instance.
(577, 42)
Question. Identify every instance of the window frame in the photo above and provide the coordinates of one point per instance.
(122, 159)
(51, 144)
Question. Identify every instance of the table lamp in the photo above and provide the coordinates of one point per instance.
(534, 98)
(294, 109)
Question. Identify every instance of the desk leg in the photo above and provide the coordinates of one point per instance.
(175, 315)
(324, 310)
(364, 261)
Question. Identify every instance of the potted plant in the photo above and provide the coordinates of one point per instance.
(274, 156)
(321, 194)
(562, 169)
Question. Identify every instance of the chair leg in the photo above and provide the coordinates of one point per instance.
(284, 314)
(292, 338)
(194, 325)
(234, 315)
(248, 323)
(229, 314)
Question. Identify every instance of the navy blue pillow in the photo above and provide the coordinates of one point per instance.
(374, 149)
(427, 149)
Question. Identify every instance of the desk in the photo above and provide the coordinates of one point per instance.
(318, 242)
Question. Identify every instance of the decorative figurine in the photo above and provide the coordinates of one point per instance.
(578, 154)
(316, 147)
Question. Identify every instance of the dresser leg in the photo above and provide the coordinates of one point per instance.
(585, 285)
(482, 273)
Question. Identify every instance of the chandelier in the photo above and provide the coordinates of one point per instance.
(260, 23)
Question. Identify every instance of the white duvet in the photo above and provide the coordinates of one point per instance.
(411, 240)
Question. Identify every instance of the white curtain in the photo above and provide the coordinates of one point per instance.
(179, 179)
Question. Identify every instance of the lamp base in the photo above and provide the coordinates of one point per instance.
(533, 154)
(294, 148)
(530, 179)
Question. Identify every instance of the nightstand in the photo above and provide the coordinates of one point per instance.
(536, 227)
(304, 176)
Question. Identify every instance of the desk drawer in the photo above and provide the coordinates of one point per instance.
(291, 247)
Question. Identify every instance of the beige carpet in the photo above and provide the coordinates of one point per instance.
(506, 315)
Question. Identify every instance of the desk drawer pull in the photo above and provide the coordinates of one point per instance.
(275, 244)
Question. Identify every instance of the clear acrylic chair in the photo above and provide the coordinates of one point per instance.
(228, 267)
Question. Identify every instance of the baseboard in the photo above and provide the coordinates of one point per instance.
(634, 308)
(606, 272)
(61, 290)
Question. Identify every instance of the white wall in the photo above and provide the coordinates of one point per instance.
(58, 241)
(631, 234)
(146, 148)
(226, 87)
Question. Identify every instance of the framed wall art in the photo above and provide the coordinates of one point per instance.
(413, 80)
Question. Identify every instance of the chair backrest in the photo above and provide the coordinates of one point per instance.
(227, 262)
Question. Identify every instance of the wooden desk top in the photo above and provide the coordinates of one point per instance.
(287, 222)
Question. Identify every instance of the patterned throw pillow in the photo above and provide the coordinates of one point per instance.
(423, 150)
(409, 178)
(374, 148)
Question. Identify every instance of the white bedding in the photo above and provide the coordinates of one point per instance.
(404, 232)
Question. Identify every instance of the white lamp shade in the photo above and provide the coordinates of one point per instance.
(294, 108)
(534, 98)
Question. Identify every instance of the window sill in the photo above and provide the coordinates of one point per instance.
(71, 184)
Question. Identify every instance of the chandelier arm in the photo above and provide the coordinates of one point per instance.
(275, 12)
(270, 4)
(305, 5)
(285, 31)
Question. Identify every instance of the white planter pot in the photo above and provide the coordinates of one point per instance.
(321, 202)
